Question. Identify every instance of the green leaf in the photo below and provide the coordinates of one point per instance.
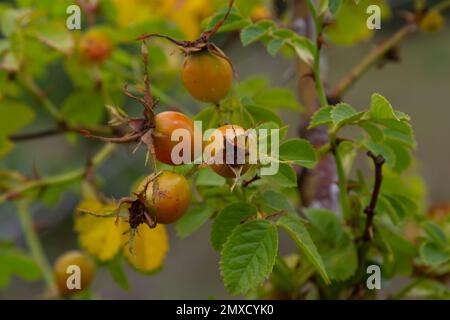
(403, 157)
(321, 117)
(15, 116)
(433, 254)
(296, 229)
(117, 273)
(14, 262)
(285, 177)
(333, 243)
(304, 48)
(83, 107)
(251, 86)
(261, 114)
(277, 98)
(400, 254)
(381, 109)
(399, 131)
(192, 220)
(274, 46)
(384, 205)
(230, 217)
(248, 256)
(235, 21)
(381, 149)
(375, 133)
(277, 201)
(56, 36)
(300, 151)
(251, 34)
(435, 233)
(207, 177)
(343, 114)
(209, 117)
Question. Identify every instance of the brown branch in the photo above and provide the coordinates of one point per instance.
(378, 162)
(372, 58)
(56, 131)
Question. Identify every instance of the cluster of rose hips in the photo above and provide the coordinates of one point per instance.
(164, 196)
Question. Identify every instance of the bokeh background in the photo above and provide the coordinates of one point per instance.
(418, 85)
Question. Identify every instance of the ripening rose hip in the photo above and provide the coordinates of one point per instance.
(173, 196)
(207, 76)
(61, 275)
(165, 124)
(95, 46)
(229, 135)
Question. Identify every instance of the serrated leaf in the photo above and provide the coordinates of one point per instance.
(277, 201)
(248, 256)
(400, 131)
(343, 114)
(336, 248)
(192, 220)
(227, 220)
(321, 117)
(251, 34)
(381, 149)
(274, 46)
(375, 133)
(300, 151)
(403, 156)
(381, 109)
(296, 229)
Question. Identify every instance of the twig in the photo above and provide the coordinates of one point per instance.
(18, 191)
(55, 131)
(33, 243)
(345, 84)
(378, 162)
(246, 183)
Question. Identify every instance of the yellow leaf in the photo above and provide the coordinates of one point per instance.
(150, 248)
(100, 237)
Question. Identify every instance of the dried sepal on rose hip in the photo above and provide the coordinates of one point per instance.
(207, 72)
(161, 198)
(153, 130)
(229, 151)
(69, 263)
